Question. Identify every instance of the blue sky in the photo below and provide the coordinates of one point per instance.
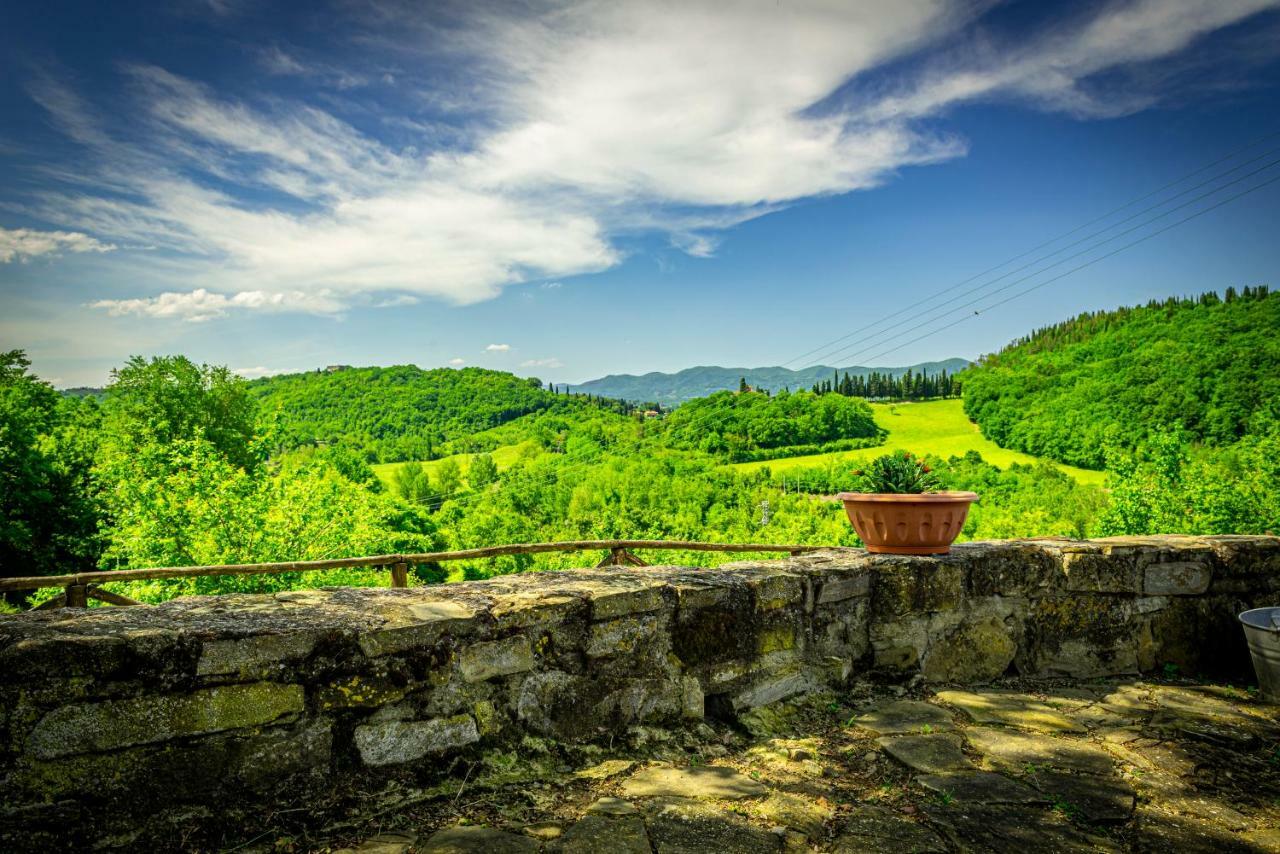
(572, 189)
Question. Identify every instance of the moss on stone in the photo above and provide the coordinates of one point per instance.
(94, 727)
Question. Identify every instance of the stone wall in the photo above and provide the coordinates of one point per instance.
(118, 725)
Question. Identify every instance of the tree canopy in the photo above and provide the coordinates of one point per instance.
(1116, 379)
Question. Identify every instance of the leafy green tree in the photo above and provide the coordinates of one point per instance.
(1172, 487)
(48, 519)
(411, 482)
(187, 504)
(448, 478)
(169, 398)
(482, 471)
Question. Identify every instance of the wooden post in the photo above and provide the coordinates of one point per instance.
(77, 596)
(400, 574)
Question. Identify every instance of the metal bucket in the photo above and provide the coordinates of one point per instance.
(1262, 629)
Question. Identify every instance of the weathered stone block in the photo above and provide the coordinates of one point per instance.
(1096, 572)
(776, 638)
(482, 661)
(913, 585)
(397, 742)
(524, 610)
(1012, 569)
(620, 637)
(256, 655)
(777, 591)
(692, 700)
(617, 600)
(840, 588)
(899, 644)
(360, 691)
(547, 700)
(772, 688)
(420, 625)
(973, 652)
(1177, 578)
(713, 635)
(94, 727)
(258, 761)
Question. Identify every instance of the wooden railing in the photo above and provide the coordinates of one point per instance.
(79, 588)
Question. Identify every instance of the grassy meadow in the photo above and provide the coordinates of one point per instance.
(503, 457)
(937, 427)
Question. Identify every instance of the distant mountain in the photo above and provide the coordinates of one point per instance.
(674, 389)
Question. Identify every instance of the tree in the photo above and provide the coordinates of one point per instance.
(48, 519)
(482, 471)
(411, 482)
(169, 398)
(448, 478)
(743, 388)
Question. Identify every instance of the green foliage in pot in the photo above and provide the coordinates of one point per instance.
(897, 473)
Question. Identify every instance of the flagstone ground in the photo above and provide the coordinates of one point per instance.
(1106, 765)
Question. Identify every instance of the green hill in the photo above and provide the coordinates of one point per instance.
(1070, 391)
(401, 412)
(674, 389)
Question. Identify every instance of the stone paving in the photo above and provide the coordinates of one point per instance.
(1105, 766)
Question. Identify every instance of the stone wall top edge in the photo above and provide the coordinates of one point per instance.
(363, 609)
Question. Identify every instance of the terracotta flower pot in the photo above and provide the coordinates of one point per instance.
(908, 524)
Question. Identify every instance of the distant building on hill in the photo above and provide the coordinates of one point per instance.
(333, 369)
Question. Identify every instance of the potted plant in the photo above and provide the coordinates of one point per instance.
(901, 508)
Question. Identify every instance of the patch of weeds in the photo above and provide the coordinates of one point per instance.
(696, 760)
(946, 798)
(1170, 670)
(755, 775)
(1066, 808)
(926, 729)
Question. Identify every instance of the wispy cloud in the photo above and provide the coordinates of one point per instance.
(23, 244)
(580, 124)
(200, 304)
(542, 363)
(497, 348)
(457, 362)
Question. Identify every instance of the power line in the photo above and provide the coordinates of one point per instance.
(846, 353)
(1088, 263)
(1047, 243)
(841, 353)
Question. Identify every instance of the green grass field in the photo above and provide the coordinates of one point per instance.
(934, 427)
(504, 457)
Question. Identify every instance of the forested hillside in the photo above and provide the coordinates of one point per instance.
(401, 412)
(740, 425)
(1208, 367)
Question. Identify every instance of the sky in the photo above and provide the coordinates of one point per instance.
(572, 189)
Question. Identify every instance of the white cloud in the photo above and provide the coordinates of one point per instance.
(258, 372)
(1055, 70)
(551, 286)
(595, 120)
(276, 60)
(23, 244)
(457, 362)
(542, 363)
(201, 305)
(497, 348)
